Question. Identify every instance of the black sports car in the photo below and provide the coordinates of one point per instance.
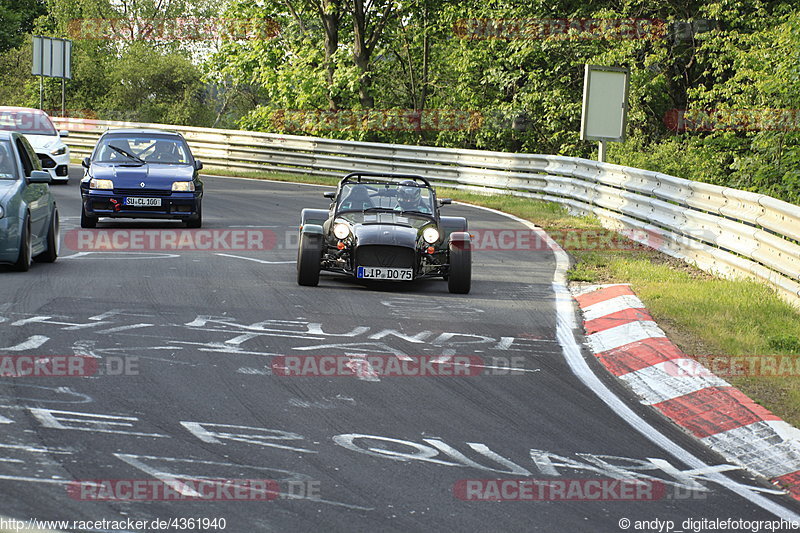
(384, 227)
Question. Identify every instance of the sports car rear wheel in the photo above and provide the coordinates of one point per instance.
(309, 254)
(459, 280)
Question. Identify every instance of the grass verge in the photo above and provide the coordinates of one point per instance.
(702, 314)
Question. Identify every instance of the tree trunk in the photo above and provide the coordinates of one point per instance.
(330, 13)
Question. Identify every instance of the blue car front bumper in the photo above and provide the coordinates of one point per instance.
(176, 205)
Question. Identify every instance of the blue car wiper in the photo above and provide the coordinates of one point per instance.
(127, 154)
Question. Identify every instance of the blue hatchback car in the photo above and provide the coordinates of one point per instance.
(28, 216)
(142, 173)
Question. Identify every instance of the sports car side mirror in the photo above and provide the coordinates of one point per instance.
(85, 162)
(63, 133)
(445, 201)
(329, 194)
(198, 165)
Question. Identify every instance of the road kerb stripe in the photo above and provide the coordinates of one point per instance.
(601, 295)
(618, 318)
(623, 334)
(612, 305)
(638, 355)
(759, 447)
(706, 406)
(790, 482)
(671, 380)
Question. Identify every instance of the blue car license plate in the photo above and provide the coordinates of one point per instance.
(394, 274)
(143, 202)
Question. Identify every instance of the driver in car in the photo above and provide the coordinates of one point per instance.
(6, 164)
(409, 198)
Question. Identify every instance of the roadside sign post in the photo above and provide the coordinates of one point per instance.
(605, 106)
(52, 58)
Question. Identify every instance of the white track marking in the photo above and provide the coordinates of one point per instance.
(606, 307)
(33, 449)
(95, 423)
(565, 332)
(617, 336)
(33, 342)
(262, 261)
(172, 479)
(125, 328)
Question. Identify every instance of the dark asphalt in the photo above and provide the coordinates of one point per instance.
(198, 331)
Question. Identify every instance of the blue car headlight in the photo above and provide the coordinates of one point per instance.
(101, 184)
(183, 186)
(2, 213)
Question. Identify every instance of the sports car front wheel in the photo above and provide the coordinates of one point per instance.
(459, 279)
(309, 255)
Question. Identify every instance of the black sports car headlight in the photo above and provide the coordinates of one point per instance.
(341, 230)
(430, 235)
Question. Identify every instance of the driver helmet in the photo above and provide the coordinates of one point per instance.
(162, 150)
(409, 193)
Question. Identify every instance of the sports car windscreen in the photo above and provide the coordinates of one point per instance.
(27, 122)
(385, 196)
(138, 149)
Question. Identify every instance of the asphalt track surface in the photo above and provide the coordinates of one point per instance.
(193, 334)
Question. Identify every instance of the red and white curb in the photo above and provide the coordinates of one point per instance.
(627, 341)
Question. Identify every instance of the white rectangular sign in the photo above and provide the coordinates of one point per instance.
(37, 56)
(52, 57)
(605, 103)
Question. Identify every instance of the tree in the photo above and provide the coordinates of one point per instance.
(16, 19)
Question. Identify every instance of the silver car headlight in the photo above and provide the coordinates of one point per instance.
(101, 184)
(341, 230)
(183, 186)
(431, 235)
(2, 213)
(59, 151)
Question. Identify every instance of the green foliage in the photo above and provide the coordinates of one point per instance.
(16, 20)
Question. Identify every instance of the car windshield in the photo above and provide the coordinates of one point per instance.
(7, 171)
(28, 122)
(143, 148)
(405, 197)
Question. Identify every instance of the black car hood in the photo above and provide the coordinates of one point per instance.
(386, 234)
(153, 175)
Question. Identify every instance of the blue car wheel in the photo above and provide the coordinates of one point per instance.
(24, 261)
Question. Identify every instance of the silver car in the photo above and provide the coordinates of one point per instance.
(29, 226)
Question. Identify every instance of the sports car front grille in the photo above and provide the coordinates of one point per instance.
(142, 192)
(385, 256)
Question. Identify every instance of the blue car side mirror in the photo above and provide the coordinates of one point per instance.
(39, 176)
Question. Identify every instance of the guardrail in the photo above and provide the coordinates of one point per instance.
(728, 232)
